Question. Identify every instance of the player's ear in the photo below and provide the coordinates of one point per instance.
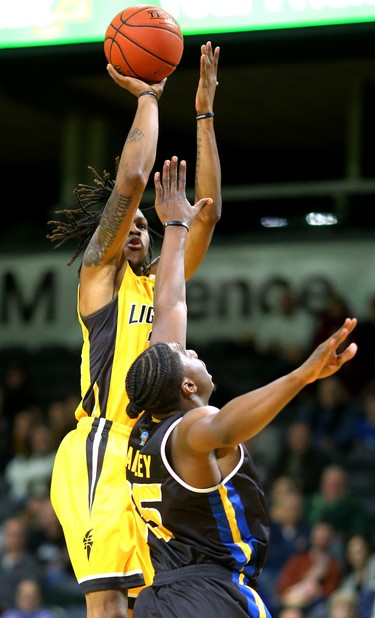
(188, 387)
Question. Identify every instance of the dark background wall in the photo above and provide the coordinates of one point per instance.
(294, 122)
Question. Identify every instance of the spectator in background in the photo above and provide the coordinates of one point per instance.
(343, 604)
(363, 367)
(330, 318)
(20, 437)
(289, 529)
(289, 535)
(28, 602)
(16, 391)
(265, 449)
(359, 572)
(291, 612)
(307, 579)
(60, 417)
(327, 323)
(300, 459)
(16, 465)
(47, 543)
(41, 458)
(329, 414)
(364, 424)
(360, 459)
(335, 503)
(25, 472)
(280, 487)
(16, 395)
(16, 562)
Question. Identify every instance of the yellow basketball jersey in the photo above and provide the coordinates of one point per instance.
(112, 338)
(89, 491)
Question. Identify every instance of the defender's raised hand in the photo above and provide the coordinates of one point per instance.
(325, 360)
(171, 203)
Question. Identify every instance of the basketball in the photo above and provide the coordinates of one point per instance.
(144, 41)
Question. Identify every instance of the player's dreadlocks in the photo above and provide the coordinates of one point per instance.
(153, 381)
(80, 223)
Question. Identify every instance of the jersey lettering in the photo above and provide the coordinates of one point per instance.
(144, 314)
(138, 464)
(146, 498)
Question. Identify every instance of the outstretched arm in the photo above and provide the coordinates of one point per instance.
(208, 170)
(246, 415)
(170, 294)
(104, 253)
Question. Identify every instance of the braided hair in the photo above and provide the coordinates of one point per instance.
(81, 224)
(153, 381)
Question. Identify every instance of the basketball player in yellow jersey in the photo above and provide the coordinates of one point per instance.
(115, 309)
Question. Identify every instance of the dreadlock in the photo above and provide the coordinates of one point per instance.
(153, 381)
(80, 223)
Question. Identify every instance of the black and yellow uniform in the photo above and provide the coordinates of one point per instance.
(207, 546)
(89, 492)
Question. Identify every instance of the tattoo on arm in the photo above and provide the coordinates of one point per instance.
(111, 219)
(199, 144)
(135, 135)
(113, 214)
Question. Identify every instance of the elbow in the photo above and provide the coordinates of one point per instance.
(214, 210)
(211, 213)
(135, 177)
(216, 216)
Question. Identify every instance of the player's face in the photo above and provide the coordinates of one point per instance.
(138, 242)
(202, 378)
(196, 370)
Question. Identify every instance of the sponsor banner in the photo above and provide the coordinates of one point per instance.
(234, 290)
(38, 294)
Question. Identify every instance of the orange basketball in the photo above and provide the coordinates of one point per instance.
(144, 41)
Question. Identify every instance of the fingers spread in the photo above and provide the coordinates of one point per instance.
(158, 187)
(182, 176)
(166, 179)
(173, 173)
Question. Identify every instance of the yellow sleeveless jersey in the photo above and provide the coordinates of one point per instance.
(89, 492)
(112, 338)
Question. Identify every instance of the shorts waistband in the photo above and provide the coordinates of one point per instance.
(195, 570)
(96, 423)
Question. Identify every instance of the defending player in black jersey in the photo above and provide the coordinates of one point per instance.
(193, 483)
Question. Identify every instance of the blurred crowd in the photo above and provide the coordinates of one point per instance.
(316, 462)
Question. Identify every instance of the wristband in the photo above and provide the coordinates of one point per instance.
(206, 115)
(142, 94)
(179, 223)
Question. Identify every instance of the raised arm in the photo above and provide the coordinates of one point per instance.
(208, 170)
(104, 254)
(246, 415)
(177, 216)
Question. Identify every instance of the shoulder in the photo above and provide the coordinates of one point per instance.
(200, 414)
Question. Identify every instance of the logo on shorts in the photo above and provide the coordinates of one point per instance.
(88, 543)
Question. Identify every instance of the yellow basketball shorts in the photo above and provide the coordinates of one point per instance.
(91, 499)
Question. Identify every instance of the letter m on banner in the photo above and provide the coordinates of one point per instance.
(13, 298)
(28, 308)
